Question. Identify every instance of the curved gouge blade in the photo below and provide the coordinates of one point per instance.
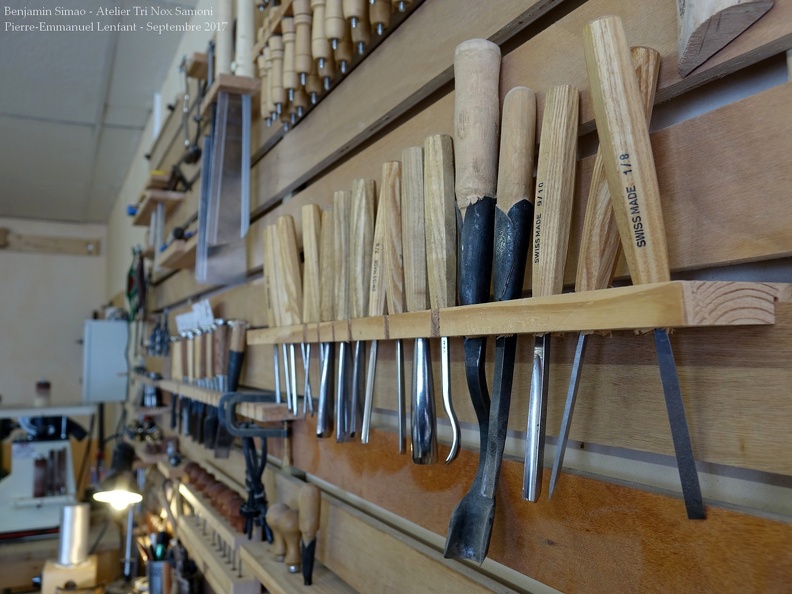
(369, 402)
(635, 195)
(537, 416)
(445, 369)
(324, 420)
(424, 438)
(600, 245)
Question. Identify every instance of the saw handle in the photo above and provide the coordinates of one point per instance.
(626, 150)
(600, 245)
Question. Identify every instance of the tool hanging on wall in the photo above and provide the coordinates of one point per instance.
(635, 195)
(476, 126)
(324, 419)
(600, 245)
(555, 190)
(311, 233)
(342, 206)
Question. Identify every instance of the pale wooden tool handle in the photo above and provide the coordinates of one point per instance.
(476, 120)
(376, 298)
(300, 99)
(517, 147)
(271, 275)
(267, 53)
(335, 25)
(303, 60)
(224, 46)
(342, 211)
(266, 298)
(440, 213)
(362, 33)
(313, 84)
(413, 235)
(600, 245)
(290, 80)
(356, 9)
(209, 353)
(263, 73)
(380, 13)
(327, 268)
(274, 517)
(555, 189)
(245, 38)
(277, 91)
(238, 332)
(391, 203)
(361, 238)
(311, 234)
(290, 279)
(320, 46)
(200, 355)
(345, 52)
(706, 26)
(290, 528)
(626, 150)
(310, 504)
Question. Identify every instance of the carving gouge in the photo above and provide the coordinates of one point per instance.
(324, 419)
(289, 287)
(441, 252)
(273, 309)
(311, 231)
(342, 205)
(555, 188)
(476, 126)
(386, 246)
(394, 278)
(361, 239)
(424, 422)
(600, 245)
(632, 181)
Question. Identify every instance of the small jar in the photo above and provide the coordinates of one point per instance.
(42, 397)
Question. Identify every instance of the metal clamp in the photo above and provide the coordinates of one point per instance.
(227, 415)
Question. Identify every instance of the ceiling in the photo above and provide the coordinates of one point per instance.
(73, 106)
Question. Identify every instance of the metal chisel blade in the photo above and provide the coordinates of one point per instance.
(569, 408)
(691, 490)
(537, 417)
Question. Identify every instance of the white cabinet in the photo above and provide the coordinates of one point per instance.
(105, 365)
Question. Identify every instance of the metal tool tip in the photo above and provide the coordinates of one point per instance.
(285, 126)
(361, 48)
(303, 78)
(353, 22)
(278, 108)
(314, 97)
(327, 83)
(321, 63)
(380, 29)
(291, 94)
(334, 44)
(402, 6)
(300, 111)
(343, 66)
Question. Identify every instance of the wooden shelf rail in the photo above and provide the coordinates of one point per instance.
(179, 254)
(674, 304)
(149, 202)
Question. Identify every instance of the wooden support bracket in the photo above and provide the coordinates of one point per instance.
(673, 304)
(179, 254)
(149, 201)
(228, 83)
(16, 242)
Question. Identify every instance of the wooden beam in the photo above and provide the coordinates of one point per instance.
(45, 244)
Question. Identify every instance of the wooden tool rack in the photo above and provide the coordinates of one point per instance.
(617, 524)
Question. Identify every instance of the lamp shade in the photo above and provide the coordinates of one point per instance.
(118, 488)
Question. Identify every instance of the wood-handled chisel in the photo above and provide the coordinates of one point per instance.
(311, 231)
(310, 507)
(635, 195)
(273, 309)
(423, 432)
(441, 253)
(342, 213)
(387, 237)
(555, 190)
(289, 287)
(361, 238)
(600, 245)
(324, 418)
(476, 128)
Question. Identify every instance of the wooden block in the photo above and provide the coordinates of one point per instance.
(151, 198)
(15, 242)
(198, 66)
(234, 85)
(55, 576)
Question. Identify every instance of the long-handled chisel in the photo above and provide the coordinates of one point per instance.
(423, 429)
(273, 309)
(441, 253)
(476, 127)
(324, 418)
(311, 230)
(342, 206)
(635, 195)
(387, 228)
(555, 189)
(361, 238)
(600, 245)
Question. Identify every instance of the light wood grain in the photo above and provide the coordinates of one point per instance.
(179, 254)
(224, 44)
(342, 214)
(517, 146)
(626, 151)
(274, 313)
(416, 296)
(235, 85)
(327, 267)
(555, 179)
(376, 298)
(311, 237)
(151, 198)
(245, 29)
(600, 246)
(335, 25)
(391, 203)
(277, 91)
(290, 80)
(320, 46)
(476, 120)
(706, 26)
(45, 244)
(440, 222)
(289, 285)
(361, 236)
(303, 20)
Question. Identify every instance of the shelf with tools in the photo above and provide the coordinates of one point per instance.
(179, 254)
(674, 304)
(151, 198)
(210, 518)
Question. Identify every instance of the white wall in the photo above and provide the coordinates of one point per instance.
(44, 299)
(122, 236)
